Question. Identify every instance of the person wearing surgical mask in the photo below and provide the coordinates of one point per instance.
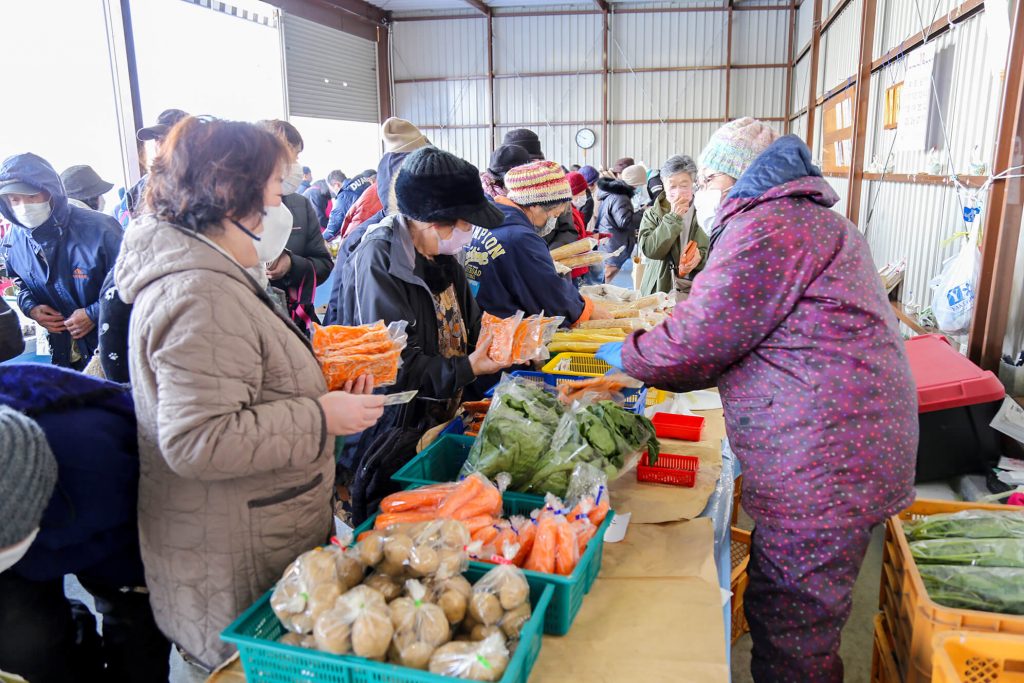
(791, 322)
(304, 261)
(667, 230)
(236, 427)
(58, 255)
(406, 269)
(511, 263)
(617, 216)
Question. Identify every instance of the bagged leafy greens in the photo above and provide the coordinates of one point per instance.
(967, 524)
(527, 435)
(516, 434)
(981, 552)
(988, 589)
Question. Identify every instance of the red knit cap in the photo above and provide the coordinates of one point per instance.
(577, 183)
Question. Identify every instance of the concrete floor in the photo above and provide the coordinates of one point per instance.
(858, 635)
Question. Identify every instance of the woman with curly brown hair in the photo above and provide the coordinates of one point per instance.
(234, 420)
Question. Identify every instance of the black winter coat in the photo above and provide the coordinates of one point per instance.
(11, 341)
(616, 216)
(309, 255)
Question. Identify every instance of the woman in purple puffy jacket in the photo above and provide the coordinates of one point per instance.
(789, 319)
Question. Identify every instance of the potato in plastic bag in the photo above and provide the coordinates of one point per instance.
(425, 550)
(420, 627)
(485, 660)
(306, 588)
(359, 622)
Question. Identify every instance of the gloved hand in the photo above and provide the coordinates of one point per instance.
(611, 353)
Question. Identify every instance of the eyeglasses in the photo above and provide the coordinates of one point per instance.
(703, 180)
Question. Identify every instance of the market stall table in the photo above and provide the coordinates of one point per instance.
(656, 608)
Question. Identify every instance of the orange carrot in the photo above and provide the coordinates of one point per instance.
(386, 519)
(464, 492)
(526, 534)
(476, 523)
(364, 535)
(600, 511)
(566, 550)
(584, 532)
(424, 497)
(486, 535)
(542, 557)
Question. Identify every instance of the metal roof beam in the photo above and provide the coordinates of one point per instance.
(480, 6)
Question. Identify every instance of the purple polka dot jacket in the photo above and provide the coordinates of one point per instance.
(789, 319)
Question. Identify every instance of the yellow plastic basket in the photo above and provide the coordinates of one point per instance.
(972, 657)
(585, 364)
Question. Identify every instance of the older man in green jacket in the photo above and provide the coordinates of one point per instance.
(667, 227)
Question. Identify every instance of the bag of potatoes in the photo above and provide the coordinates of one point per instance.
(358, 623)
(428, 549)
(420, 627)
(312, 583)
(479, 661)
(500, 601)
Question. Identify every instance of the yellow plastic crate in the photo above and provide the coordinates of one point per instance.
(585, 364)
(971, 657)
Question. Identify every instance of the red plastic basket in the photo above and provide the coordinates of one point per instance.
(682, 427)
(675, 470)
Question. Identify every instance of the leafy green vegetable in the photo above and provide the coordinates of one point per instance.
(526, 434)
(982, 552)
(989, 589)
(967, 524)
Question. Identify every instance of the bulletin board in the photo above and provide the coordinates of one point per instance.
(837, 118)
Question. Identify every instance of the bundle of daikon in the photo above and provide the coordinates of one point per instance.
(579, 254)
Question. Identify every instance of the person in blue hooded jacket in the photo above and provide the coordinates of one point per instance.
(58, 255)
(88, 527)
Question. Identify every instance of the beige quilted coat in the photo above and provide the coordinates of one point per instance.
(236, 472)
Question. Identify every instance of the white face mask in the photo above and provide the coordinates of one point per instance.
(31, 215)
(458, 241)
(277, 228)
(705, 205)
(10, 556)
(292, 178)
(548, 226)
(580, 201)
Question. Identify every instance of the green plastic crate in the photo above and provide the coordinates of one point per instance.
(568, 590)
(255, 634)
(440, 461)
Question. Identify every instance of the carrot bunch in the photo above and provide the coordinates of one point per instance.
(474, 501)
(552, 541)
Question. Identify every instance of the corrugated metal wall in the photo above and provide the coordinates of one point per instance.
(906, 221)
(643, 104)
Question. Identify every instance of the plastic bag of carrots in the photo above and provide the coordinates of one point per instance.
(519, 339)
(347, 353)
(474, 501)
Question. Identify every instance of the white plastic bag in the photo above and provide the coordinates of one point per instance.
(954, 293)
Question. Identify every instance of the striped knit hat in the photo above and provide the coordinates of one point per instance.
(538, 182)
(735, 145)
(29, 475)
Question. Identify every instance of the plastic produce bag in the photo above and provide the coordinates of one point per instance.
(420, 627)
(346, 353)
(501, 597)
(516, 434)
(503, 333)
(981, 552)
(954, 290)
(480, 661)
(967, 524)
(312, 583)
(359, 622)
(429, 549)
(989, 589)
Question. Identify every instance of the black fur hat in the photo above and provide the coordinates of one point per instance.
(437, 186)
